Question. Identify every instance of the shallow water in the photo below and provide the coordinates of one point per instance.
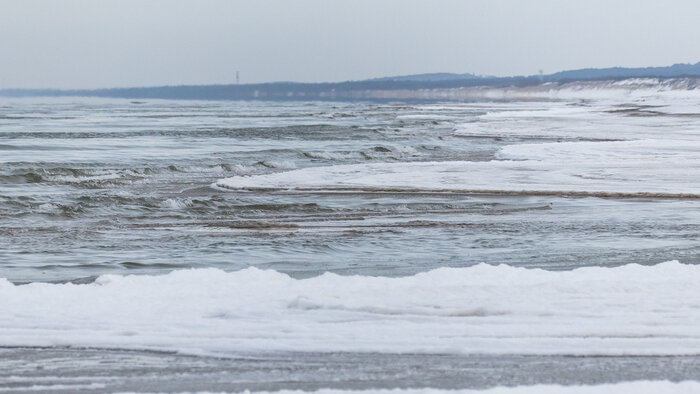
(100, 371)
(89, 187)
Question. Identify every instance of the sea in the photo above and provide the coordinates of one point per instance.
(170, 246)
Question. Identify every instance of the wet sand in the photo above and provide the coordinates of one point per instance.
(66, 370)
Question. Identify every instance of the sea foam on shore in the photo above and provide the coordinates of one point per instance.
(626, 310)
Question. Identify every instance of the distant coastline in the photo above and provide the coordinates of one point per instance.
(437, 86)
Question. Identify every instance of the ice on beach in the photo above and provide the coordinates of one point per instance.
(627, 310)
(637, 167)
(650, 146)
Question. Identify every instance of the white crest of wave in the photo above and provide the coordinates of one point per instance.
(648, 166)
(176, 203)
(645, 147)
(632, 309)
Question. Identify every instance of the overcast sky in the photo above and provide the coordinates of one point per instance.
(93, 43)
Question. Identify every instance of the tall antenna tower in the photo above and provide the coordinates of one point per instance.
(237, 78)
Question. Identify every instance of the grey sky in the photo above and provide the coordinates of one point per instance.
(93, 43)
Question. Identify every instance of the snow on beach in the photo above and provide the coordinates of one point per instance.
(627, 310)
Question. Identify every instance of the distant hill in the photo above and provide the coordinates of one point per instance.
(674, 71)
(362, 90)
(432, 77)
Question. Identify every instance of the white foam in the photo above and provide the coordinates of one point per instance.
(176, 203)
(649, 145)
(649, 166)
(332, 155)
(628, 310)
(241, 169)
(427, 116)
(616, 120)
(281, 164)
